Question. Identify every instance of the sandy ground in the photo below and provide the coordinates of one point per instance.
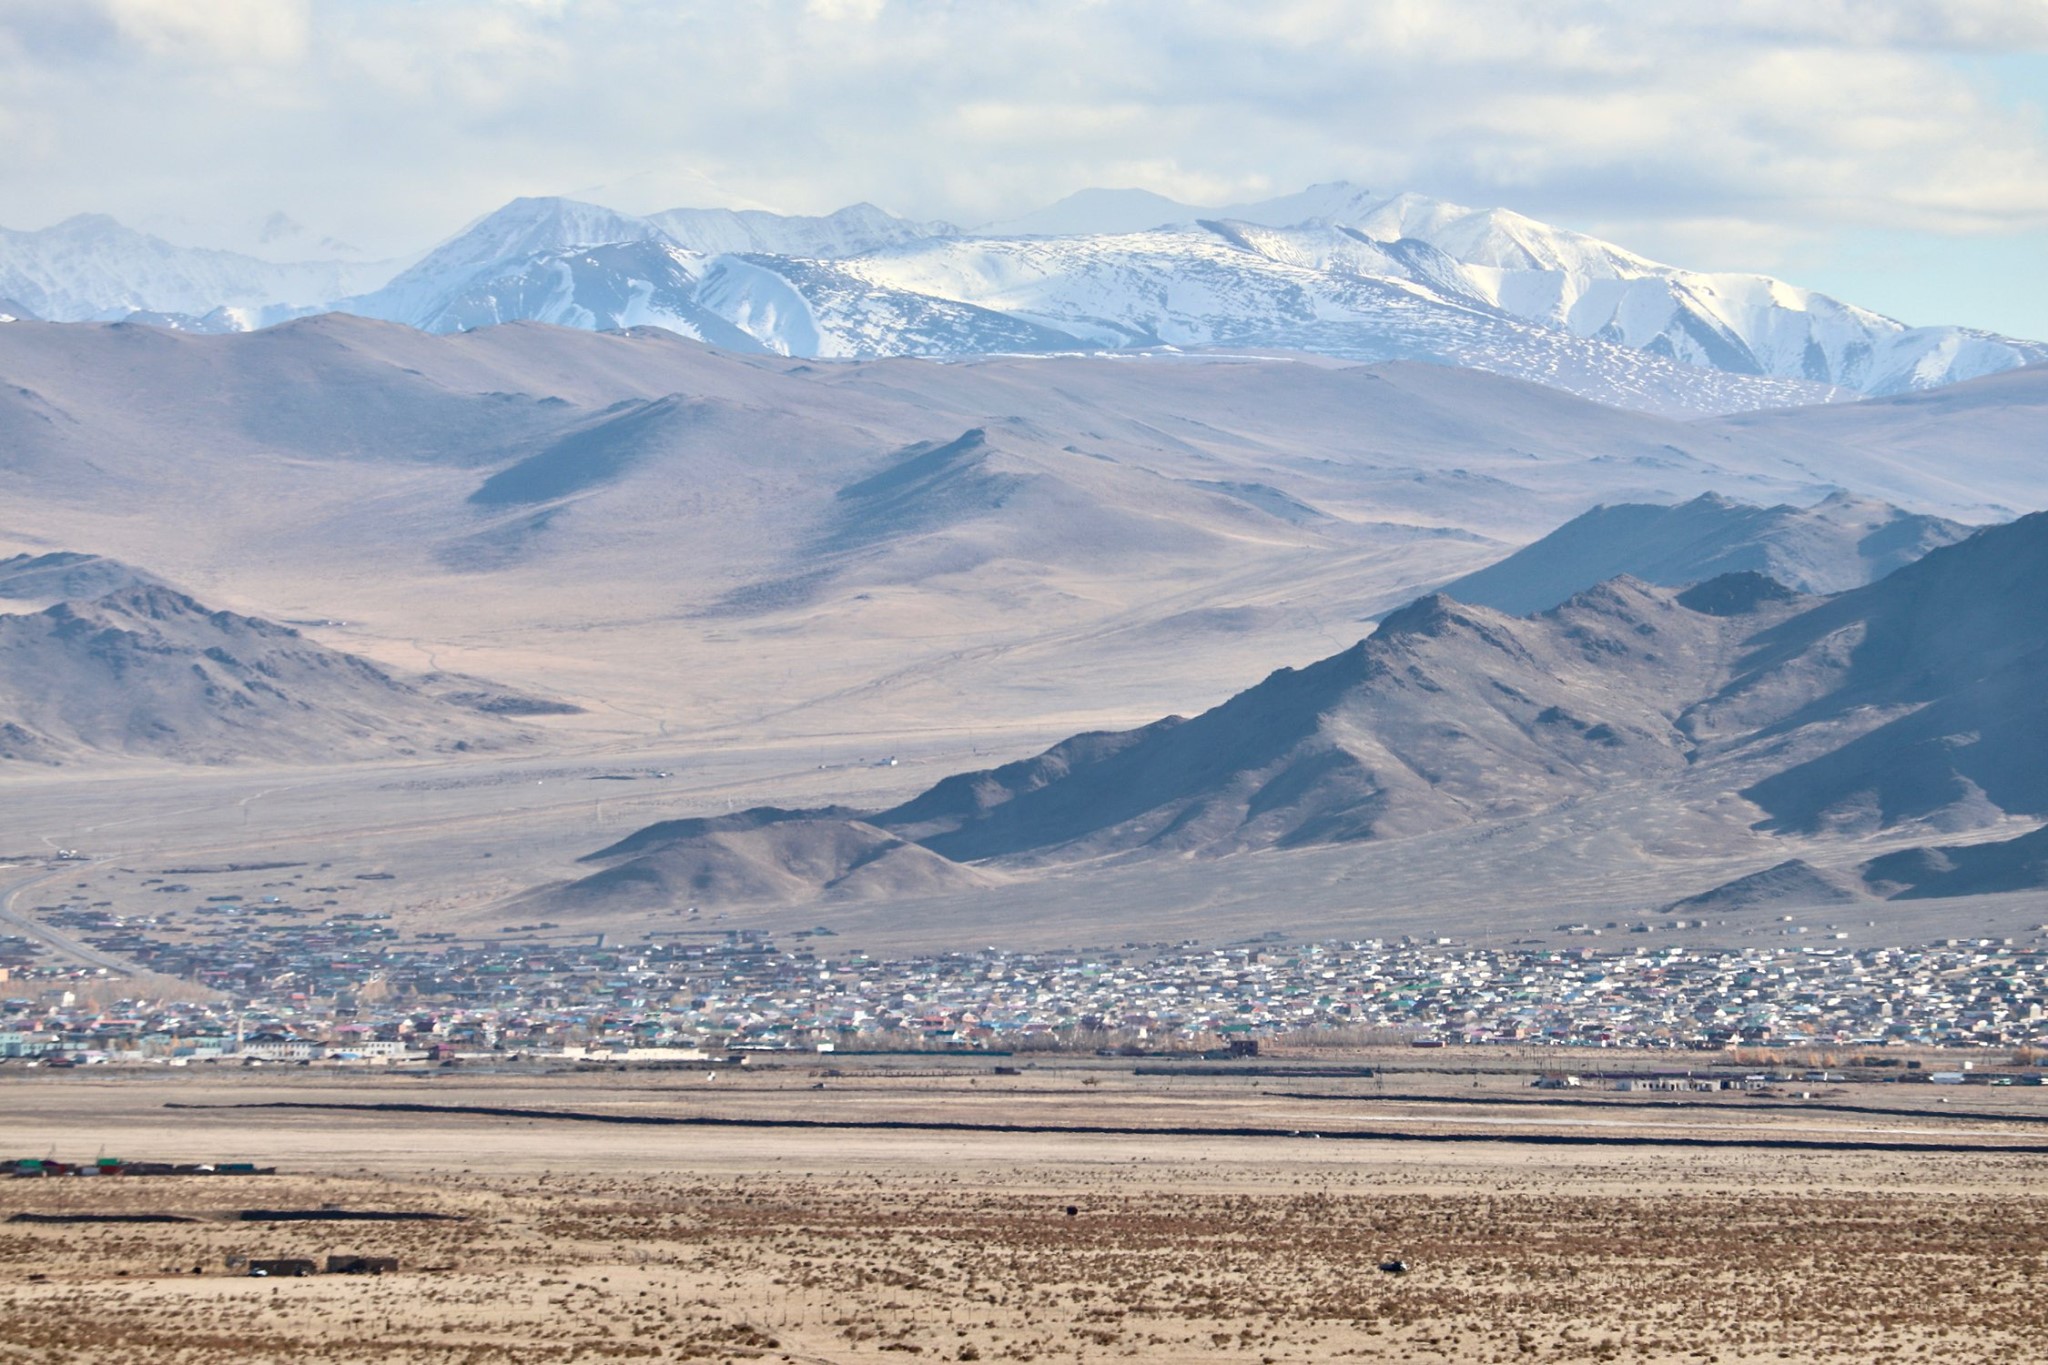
(594, 1241)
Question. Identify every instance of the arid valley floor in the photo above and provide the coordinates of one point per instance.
(1073, 1210)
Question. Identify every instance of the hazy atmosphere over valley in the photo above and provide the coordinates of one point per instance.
(562, 534)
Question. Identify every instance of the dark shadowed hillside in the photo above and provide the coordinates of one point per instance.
(1837, 544)
(1794, 882)
(1937, 678)
(1923, 697)
(1446, 714)
(1962, 870)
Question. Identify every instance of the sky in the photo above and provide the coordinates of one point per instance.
(1892, 152)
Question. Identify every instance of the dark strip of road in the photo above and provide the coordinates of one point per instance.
(1106, 1130)
(1765, 1104)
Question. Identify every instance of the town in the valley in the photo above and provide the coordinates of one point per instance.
(287, 976)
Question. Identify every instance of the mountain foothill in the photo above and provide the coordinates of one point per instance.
(124, 668)
(1212, 599)
(1915, 701)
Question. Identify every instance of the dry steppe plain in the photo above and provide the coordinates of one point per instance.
(1076, 1210)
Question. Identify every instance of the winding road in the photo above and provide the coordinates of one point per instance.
(14, 918)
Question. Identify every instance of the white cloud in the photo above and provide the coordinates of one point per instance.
(214, 31)
(846, 11)
(389, 122)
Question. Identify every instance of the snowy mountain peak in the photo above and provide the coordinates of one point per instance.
(1336, 269)
(530, 225)
(509, 265)
(91, 267)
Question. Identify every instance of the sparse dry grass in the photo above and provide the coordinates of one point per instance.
(596, 1245)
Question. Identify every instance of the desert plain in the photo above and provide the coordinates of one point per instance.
(1059, 1209)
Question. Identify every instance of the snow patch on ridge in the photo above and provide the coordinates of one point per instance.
(1334, 270)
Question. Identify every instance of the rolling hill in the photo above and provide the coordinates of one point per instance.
(142, 671)
(1913, 702)
(656, 528)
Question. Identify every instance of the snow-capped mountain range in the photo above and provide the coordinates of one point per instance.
(91, 268)
(1333, 271)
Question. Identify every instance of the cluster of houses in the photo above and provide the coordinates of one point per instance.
(353, 991)
(240, 945)
(38, 1167)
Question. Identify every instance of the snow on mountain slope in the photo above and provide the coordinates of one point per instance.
(821, 308)
(90, 267)
(521, 263)
(1334, 270)
(600, 288)
(578, 265)
(1740, 323)
(1743, 323)
(1221, 284)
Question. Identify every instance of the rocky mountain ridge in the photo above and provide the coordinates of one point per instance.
(1915, 702)
(1335, 270)
(1840, 542)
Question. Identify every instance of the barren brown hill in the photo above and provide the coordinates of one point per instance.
(147, 672)
(1792, 883)
(744, 544)
(757, 856)
(1832, 715)
(1839, 543)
